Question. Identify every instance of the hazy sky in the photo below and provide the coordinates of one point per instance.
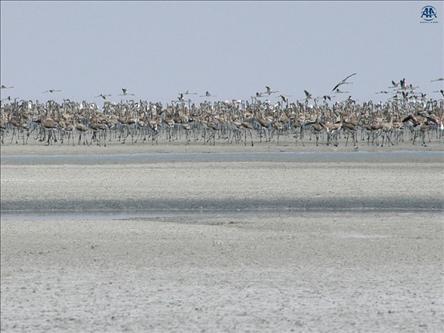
(232, 49)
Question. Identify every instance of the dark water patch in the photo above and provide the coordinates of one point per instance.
(225, 205)
(141, 158)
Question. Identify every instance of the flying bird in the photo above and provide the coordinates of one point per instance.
(284, 98)
(337, 91)
(307, 94)
(382, 92)
(125, 92)
(207, 94)
(51, 91)
(103, 96)
(440, 91)
(181, 98)
(436, 80)
(326, 97)
(269, 91)
(5, 87)
(350, 100)
(344, 81)
(187, 92)
(402, 83)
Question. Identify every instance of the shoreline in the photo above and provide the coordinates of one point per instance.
(137, 157)
(179, 147)
(397, 183)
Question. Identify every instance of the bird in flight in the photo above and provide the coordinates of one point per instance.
(51, 91)
(326, 97)
(5, 87)
(187, 92)
(268, 91)
(394, 84)
(337, 91)
(382, 92)
(439, 79)
(125, 92)
(440, 91)
(402, 83)
(350, 100)
(307, 95)
(103, 96)
(284, 98)
(344, 81)
(207, 94)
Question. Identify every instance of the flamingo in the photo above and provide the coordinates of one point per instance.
(307, 95)
(208, 94)
(125, 92)
(103, 96)
(269, 91)
(344, 81)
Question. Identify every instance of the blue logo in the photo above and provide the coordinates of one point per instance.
(428, 14)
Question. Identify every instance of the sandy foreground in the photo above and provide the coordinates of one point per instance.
(221, 244)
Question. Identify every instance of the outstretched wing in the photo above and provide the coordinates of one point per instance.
(349, 77)
(337, 86)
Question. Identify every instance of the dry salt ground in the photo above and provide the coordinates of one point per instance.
(221, 241)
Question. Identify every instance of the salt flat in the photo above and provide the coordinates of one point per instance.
(227, 181)
(222, 243)
(374, 272)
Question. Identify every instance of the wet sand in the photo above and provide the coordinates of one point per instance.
(179, 147)
(225, 186)
(222, 243)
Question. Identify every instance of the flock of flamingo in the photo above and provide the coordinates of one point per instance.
(408, 116)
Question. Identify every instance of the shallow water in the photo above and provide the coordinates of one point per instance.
(178, 206)
(223, 182)
(156, 157)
